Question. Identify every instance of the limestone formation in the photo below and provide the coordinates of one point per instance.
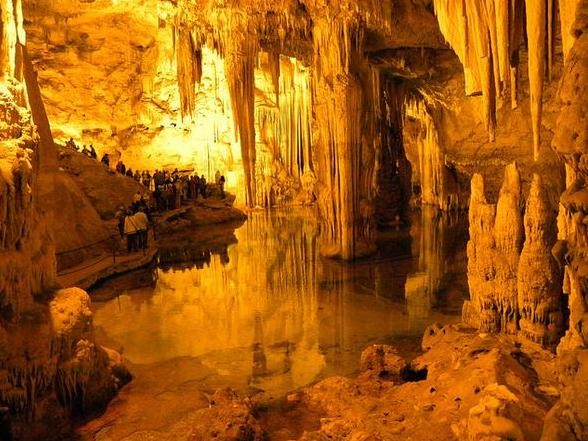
(438, 186)
(356, 106)
(384, 362)
(514, 286)
(539, 280)
(496, 235)
(485, 35)
(568, 420)
(51, 368)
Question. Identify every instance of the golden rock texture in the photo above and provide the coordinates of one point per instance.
(568, 419)
(496, 234)
(51, 367)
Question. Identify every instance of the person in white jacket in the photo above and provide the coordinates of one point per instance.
(131, 232)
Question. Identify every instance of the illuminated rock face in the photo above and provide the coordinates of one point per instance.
(50, 368)
(568, 419)
(486, 36)
(292, 100)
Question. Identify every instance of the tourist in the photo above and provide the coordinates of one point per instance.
(147, 180)
(221, 182)
(130, 173)
(203, 186)
(140, 220)
(93, 153)
(130, 232)
(71, 144)
(137, 197)
(121, 168)
(137, 176)
(106, 160)
(86, 150)
(120, 217)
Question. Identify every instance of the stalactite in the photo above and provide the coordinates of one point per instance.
(471, 30)
(516, 22)
(503, 40)
(435, 179)
(10, 37)
(492, 30)
(189, 65)
(550, 14)
(567, 15)
(240, 60)
(392, 170)
(536, 17)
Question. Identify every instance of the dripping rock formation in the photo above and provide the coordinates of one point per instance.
(364, 109)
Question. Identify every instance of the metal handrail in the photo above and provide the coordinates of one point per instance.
(84, 247)
(111, 240)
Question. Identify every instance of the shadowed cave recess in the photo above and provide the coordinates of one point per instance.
(398, 252)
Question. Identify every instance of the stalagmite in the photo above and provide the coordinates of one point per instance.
(536, 19)
(508, 232)
(539, 279)
(496, 233)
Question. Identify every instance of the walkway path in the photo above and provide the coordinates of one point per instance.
(87, 273)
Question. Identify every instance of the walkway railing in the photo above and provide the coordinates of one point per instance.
(69, 261)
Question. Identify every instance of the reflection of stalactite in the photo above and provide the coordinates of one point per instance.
(422, 286)
(259, 368)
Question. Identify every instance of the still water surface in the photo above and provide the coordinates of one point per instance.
(270, 315)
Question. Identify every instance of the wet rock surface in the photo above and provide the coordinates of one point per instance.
(476, 387)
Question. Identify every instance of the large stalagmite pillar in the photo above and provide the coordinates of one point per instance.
(539, 279)
(496, 233)
(536, 24)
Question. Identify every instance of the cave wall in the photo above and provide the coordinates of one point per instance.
(50, 366)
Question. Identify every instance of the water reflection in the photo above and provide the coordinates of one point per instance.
(439, 240)
(270, 314)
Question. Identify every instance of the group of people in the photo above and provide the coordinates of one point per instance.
(133, 223)
(167, 190)
(89, 151)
